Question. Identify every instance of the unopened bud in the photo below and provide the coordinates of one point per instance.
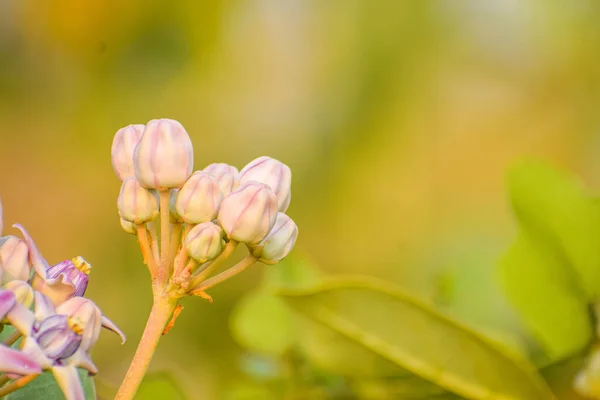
(14, 259)
(199, 199)
(136, 204)
(164, 157)
(227, 176)
(204, 242)
(279, 242)
(123, 147)
(128, 227)
(272, 173)
(248, 213)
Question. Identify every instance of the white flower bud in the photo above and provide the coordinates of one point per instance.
(248, 213)
(128, 227)
(272, 173)
(14, 259)
(136, 204)
(164, 157)
(122, 150)
(199, 199)
(227, 176)
(279, 242)
(204, 242)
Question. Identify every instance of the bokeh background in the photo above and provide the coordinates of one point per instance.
(399, 120)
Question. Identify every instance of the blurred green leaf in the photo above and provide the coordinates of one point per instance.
(396, 327)
(292, 273)
(45, 387)
(552, 271)
(262, 322)
(159, 387)
(552, 306)
(555, 207)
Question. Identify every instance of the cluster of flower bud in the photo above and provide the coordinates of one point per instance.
(217, 204)
(45, 305)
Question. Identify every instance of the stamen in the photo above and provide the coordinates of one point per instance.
(76, 326)
(82, 265)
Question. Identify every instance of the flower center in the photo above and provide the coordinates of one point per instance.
(82, 265)
(75, 325)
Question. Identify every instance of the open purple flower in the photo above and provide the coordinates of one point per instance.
(59, 339)
(61, 281)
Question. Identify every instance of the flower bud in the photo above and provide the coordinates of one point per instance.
(59, 336)
(279, 242)
(122, 150)
(164, 157)
(248, 213)
(136, 204)
(204, 242)
(227, 176)
(14, 259)
(198, 199)
(23, 292)
(272, 173)
(128, 227)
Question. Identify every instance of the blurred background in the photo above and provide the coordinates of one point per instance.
(399, 121)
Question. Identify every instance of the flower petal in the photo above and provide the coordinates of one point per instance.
(68, 380)
(111, 326)
(7, 302)
(21, 318)
(35, 258)
(15, 362)
(43, 306)
(58, 289)
(82, 359)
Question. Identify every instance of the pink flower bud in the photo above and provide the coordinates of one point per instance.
(128, 227)
(164, 157)
(272, 173)
(227, 176)
(199, 199)
(136, 204)
(248, 213)
(14, 259)
(279, 242)
(204, 242)
(122, 150)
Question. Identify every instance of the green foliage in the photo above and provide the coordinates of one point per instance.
(158, 387)
(262, 322)
(45, 387)
(386, 322)
(552, 272)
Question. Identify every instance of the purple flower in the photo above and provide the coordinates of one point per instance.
(59, 337)
(61, 281)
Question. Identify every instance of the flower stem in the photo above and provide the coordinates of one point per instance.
(147, 251)
(9, 341)
(229, 249)
(223, 276)
(159, 317)
(16, 385)
(165, 235)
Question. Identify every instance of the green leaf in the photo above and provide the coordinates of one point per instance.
(45, 387)
(158, 387)
(556, 208)
(405, 332)
(547, 296)
(262, 322)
